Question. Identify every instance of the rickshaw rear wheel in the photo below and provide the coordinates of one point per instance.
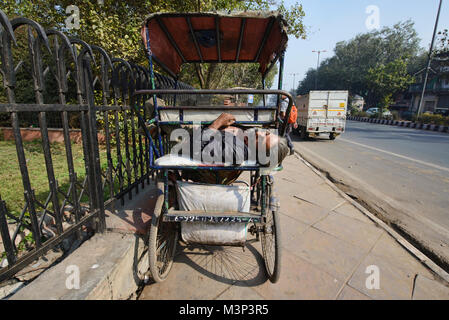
(271, 243)
(163, 238)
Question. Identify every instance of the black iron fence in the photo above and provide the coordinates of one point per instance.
(80, 86)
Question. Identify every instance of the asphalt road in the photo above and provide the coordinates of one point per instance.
(405, 167)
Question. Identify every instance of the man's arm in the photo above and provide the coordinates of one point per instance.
(223, 121)
(283, 108)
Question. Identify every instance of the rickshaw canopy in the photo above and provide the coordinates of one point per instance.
(247, 37)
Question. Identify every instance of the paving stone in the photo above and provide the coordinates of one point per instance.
(290, 186)
(299, 280)
(290, 227)
(135, 215)
(322, 195)
(185, 282)
(327, 252)
(352, 212)
(349, 293)
(428, 289)
(302, 210)
(395, 283)
(394, 253)
(291, 160)
(350, 230)
(240, 293)
(301, 175)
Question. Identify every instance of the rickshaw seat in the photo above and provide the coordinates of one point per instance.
(171, 160)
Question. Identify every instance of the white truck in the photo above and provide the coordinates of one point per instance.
(322, 112)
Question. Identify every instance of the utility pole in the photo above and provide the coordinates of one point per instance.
(429, 61)
(317, 66)
(294, 79)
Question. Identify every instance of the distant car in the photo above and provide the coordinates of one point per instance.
(372, 111)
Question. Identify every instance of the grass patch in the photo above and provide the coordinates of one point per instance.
(11, 185)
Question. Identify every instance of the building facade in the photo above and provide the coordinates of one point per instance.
(436, 98)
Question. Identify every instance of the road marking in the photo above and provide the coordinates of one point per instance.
(398, 155)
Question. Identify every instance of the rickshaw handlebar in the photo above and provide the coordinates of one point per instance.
(283, 126)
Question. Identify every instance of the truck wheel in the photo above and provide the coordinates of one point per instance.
(332, 136)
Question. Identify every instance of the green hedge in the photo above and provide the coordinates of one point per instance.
(359, 114)
(437, 119)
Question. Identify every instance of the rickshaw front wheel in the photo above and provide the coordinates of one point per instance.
(271, 245)
(163, 238)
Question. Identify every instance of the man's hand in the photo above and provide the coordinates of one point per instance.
(223, 121)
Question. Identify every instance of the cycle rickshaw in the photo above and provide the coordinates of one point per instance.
(170, 40)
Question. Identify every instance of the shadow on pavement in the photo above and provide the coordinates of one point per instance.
(321, 138)
(229, 265)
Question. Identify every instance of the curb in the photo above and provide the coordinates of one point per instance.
(403, 123)
(400, 239)
(111, 266)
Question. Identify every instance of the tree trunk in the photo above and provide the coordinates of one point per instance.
(199, 73)
(210, 73)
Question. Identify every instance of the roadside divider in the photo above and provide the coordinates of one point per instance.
(402, 123)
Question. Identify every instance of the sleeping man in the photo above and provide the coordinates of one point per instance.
(221, 144)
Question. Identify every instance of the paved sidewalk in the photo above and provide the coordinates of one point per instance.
(327, 246)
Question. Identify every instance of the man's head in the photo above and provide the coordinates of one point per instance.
(228, 100)
(272, 141)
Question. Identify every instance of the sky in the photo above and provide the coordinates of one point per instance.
(331, 21)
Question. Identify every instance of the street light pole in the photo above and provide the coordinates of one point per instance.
(294, 79)
(317, 66)
(429, 61)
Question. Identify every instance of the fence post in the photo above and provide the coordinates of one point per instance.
(5, 236)
(95, 172)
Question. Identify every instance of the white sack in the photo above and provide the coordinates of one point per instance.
(214, 233)
(210, 198)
